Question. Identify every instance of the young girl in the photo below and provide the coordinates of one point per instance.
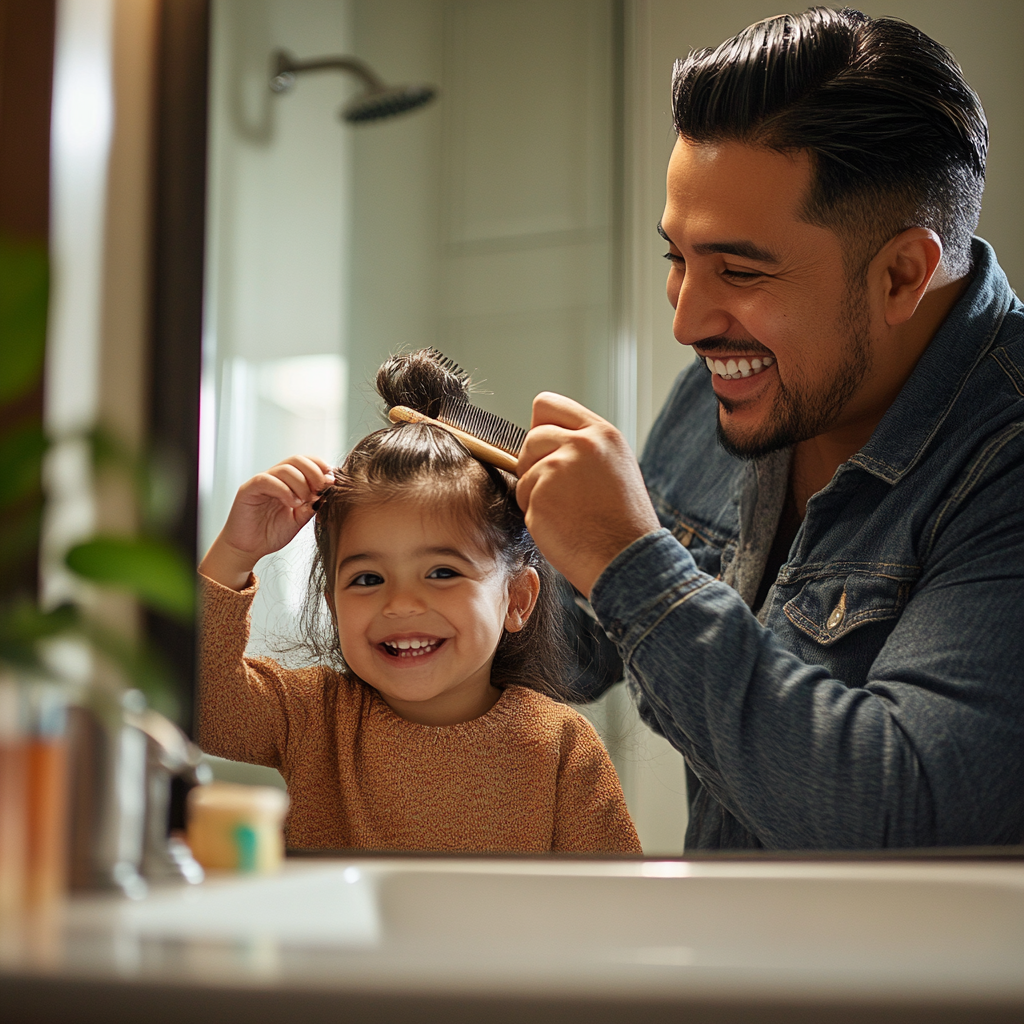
(427, 725)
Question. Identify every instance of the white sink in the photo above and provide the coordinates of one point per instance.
(553, 940)
(614, 926)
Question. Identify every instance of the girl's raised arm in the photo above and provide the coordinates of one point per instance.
(268, 511)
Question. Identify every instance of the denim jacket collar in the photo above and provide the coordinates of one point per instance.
(925, 401)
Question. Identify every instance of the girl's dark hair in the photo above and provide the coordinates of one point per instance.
(897, 137)
(435, 468)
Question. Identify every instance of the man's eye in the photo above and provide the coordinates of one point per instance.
(367, 579)
(442, 573)
(740, 275)
(675, 259)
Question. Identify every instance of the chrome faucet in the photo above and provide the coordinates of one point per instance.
(123, 756)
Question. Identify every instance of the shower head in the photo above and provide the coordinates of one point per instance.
(372, 106)
(374, 103)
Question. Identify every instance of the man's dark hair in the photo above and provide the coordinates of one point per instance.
(897, 138)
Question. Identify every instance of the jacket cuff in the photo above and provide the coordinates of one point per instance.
(642, 584)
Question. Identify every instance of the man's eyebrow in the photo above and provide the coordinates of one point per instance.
(741, 247)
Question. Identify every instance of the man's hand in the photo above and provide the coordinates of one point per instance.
(581, 489)
(268, 511)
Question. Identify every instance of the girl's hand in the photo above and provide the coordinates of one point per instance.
(268, 511)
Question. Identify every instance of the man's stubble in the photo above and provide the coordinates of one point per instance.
(798, 415)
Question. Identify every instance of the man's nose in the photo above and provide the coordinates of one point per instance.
(698, 314)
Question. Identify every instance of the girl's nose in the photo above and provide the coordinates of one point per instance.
(402, 602)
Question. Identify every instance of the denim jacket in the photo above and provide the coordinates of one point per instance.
(879, 700)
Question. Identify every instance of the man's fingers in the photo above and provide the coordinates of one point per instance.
(541, 442)
(548, 450)
(524, 488)
(559, 411)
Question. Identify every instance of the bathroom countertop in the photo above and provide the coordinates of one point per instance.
(457, 939)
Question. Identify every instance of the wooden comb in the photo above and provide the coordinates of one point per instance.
(489, 437)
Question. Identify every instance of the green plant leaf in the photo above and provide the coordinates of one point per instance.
(23, 625)
(21, 457)
(150, 569)
(23, 301)
(19, 534)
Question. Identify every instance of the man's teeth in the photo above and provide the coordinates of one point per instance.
(734, 369)
(412, 648)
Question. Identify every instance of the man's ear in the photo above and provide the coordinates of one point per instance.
(522, 599)
(904, 267)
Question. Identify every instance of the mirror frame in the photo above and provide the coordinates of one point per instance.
(176, 310)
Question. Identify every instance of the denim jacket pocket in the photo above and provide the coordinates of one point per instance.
(828, 607)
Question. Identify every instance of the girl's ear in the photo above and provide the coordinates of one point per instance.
(522, 599)
(330, 604)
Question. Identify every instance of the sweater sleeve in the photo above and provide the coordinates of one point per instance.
(590, 810)
(246, 706)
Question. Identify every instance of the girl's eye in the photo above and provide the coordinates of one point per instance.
(442, 573)
(367, 579)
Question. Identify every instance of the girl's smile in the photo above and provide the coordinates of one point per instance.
(411, 647)
(420, 608)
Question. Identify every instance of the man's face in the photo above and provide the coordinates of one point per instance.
(763, 297)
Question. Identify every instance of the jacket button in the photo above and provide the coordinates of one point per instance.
(838, 613)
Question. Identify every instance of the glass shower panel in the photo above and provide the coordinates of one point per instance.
(275, 364)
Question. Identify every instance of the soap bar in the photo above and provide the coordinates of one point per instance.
(237, 828)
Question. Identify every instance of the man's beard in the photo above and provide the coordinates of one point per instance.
(796, 415)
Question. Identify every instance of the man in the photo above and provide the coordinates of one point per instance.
(818, 593)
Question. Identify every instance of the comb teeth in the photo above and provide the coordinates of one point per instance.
(483, 425)
(449, 364)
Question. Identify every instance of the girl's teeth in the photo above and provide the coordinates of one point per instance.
(733, 370)
(415, 648)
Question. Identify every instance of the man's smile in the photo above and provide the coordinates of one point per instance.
(736, 369)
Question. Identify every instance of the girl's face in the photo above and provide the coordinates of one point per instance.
(420, 607)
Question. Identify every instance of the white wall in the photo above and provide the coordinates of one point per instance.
(482, 224)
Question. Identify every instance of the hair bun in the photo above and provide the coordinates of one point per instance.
(421, 380)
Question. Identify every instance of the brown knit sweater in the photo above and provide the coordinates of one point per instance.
(530, 776)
